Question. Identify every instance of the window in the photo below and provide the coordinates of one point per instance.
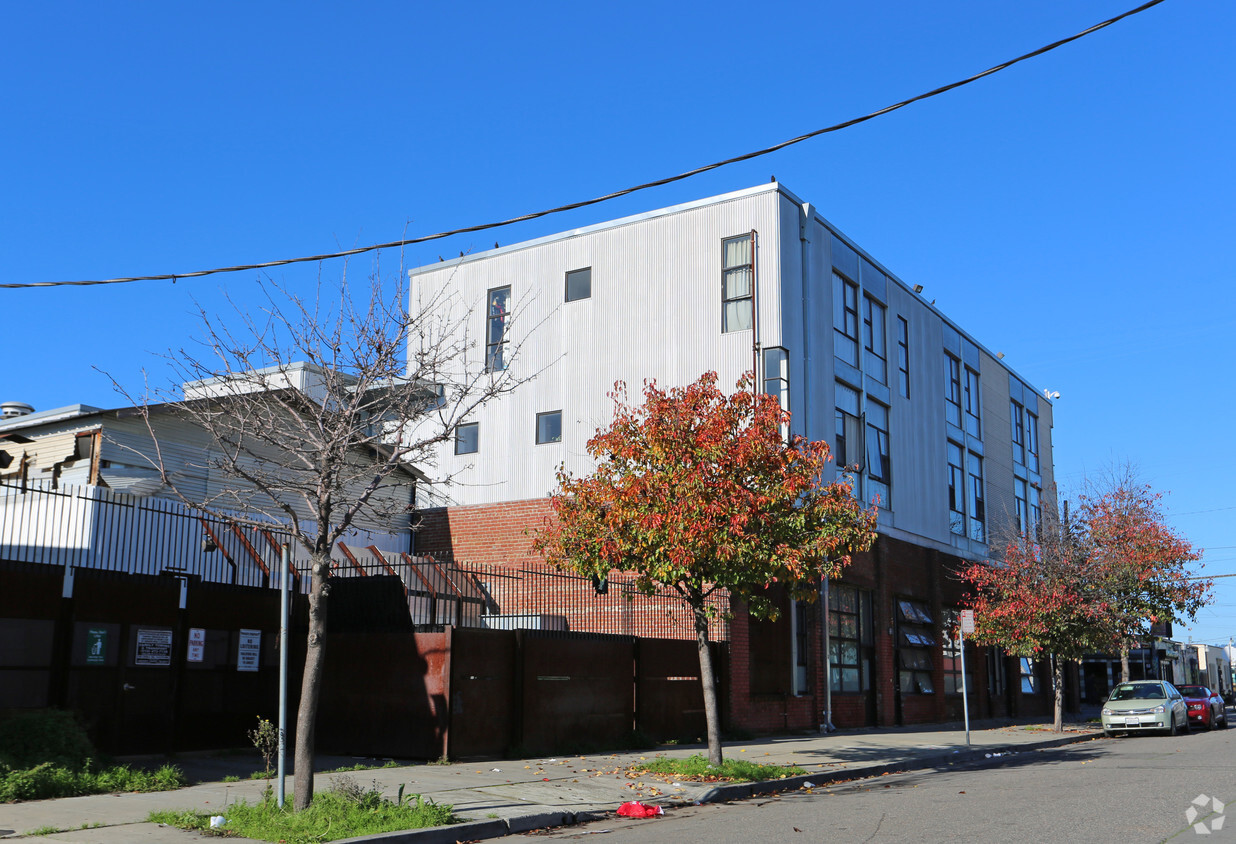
(579, 284)
(915, 638)
(467, 438)
(850, 639)
(1032, 442)
(956, 491)
(903, 356)
(1029, 683)
(875, 351)
(777, 380)
(1021, 506)
(952, 657)
(1017, 419)
(777, 375)
(996, 674)
(952, 389)
(879, 465)
(1034, 521)
(495, 329)
(737, 275)
(973, 422)
(845, 319)
(549, 427)
(978, 529)
(848, 455)
(802, 645)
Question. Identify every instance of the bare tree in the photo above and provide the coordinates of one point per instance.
(321, 414)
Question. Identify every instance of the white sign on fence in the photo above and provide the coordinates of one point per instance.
(249, 651)
(197, 644)
(967, 621)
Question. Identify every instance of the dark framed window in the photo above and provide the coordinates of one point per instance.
(1029, 683)
(1021, 506)
(875, 349)
(848, 454)
(467, 438)
(903, 356)
(1032, 442)
(956, 491)
(879, 463)
(549, 427)
(1034, 520)
(845, 319)
(850, 639)
(737, 283)
(777, 379)
(996, 674)
(952, 390)
(972, 398)
(976, 501)
(916, 638)
(579, 284)
(1017, 420)
(496, 313)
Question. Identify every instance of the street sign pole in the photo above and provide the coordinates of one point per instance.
(966, 626)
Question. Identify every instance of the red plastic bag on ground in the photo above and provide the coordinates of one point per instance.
(639, 810)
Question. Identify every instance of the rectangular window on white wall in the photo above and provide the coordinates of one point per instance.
(579, 284)
(848, 453)
(497, 310)
(549, 427)
(737, 281)
(467, 438)
(777, 380)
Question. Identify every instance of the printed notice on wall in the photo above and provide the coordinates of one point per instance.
(154, 647)
(197, 644)
(96, 646)
(249, 652)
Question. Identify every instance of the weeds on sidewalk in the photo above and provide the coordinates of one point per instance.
(696, 768)
(48, 780)
(345, 811)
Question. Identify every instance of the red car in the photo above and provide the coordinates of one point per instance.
(1206, 708)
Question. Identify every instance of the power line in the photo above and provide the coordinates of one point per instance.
(173, 277)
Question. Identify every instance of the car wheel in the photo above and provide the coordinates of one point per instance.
(1185, 727)
(1223, 720)
(1171, 726)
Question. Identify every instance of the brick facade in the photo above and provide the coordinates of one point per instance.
(501, 535)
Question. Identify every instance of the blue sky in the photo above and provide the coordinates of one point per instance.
(1074, 212)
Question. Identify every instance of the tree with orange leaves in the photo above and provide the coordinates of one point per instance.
(697, 491)
(1143, 564)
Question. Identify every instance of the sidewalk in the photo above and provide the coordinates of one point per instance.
(507, 796)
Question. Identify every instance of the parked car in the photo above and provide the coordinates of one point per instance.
(1206, 707)
(1143, 706)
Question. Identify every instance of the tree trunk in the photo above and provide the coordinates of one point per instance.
(311, 684)
(1057, 688)
(1124, 663)
(710, 687)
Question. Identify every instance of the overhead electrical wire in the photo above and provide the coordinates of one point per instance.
(173, 277)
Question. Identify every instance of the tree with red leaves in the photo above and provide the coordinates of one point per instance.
(1143, 563)
(1043, 599)
(697, 491)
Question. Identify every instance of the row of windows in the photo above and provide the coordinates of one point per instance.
(548, 430)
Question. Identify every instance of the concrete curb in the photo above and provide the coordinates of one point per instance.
(479, 830)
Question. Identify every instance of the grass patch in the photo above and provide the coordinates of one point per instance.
(361, 766)
(49, 780)
(731, 770)
(45, 830)
(231, 778)
(345, 811)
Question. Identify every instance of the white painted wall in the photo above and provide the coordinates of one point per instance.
(655, 313)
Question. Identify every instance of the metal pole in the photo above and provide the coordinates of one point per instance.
(285, 560)
(828, 662)
(965, 693)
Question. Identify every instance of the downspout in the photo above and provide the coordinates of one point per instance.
(804, 223)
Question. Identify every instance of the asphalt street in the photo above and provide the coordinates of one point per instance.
(1110, 790)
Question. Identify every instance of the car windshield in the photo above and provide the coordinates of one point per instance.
(1194, 691)
(1138, 691)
